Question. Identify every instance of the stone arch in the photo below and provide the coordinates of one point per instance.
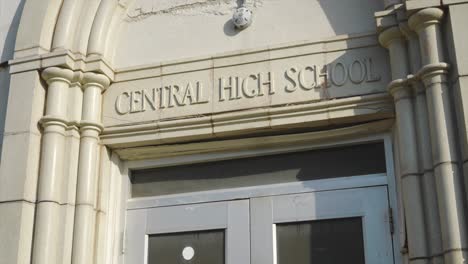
(80, 27)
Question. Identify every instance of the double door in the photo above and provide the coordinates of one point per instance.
(336, 226)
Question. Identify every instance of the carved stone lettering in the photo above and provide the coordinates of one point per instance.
(339, 74)
(305, 78)
(357, 72)
(308, 78)
(289, 75)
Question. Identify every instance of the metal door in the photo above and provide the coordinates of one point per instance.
(328, 227)
(208, 233)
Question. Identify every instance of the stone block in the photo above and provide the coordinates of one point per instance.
(420, 4)
(132, 102)
(458, 21)
(16, 232)
(186, 94)
(461, 108)
(19, 167)
(25, 103)
(242, 87)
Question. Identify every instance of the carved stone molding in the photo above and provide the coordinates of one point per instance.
(55, 73)
(100, 80)
(63, 59)
(425, 18)
(394, 40)
(426, 23)
(389, 35)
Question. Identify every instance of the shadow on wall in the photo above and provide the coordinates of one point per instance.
(6, 55)
(348, 17)
(344, 17)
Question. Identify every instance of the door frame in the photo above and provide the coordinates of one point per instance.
(387, 179)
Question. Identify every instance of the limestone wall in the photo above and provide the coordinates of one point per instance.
(10, 13)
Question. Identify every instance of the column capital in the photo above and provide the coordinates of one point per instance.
(95, 79)
(389, 35)
(425, 17)
(55, 73)
(407, 31)
(399, 89)
(433, 69)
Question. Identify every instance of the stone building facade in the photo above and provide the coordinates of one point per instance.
(155, 131)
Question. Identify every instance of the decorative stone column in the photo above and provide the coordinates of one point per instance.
(394, 41)
(431, 209)
(85, 212)
(47, 245)
(442, 129)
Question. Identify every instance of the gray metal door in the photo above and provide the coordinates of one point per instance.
(327, 227)
(208, 233)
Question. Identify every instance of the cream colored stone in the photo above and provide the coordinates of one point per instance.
(72, 142)
(245, 56)
(127, 139)
(19, 182)
(49, 221)
(152, 44)
(292, 49)
(49, 228)
(186, 65)
(206, 29)
(186, 94)
(84, 27)
(254, 121)
(371, 107)
(420, 4)
(100, 27)
(16, 231)
(4, 87)
(185, 129)
(354, 109)
(10, 12)
(411, 192)
(66, 24)
(291, 83)
(105, 217)
(299, 79)
(167, 151)
(457, 20)
(88, 163)
(36, 27)
(367, 71)
(75, 97)
(242, 87)
(117, 105)
(26, 103)
(67, 233)
(431, 211)
(452, 213)
(461, 97)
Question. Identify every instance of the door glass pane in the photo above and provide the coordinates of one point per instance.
(205, 247)
(254, 171)
(334, 241)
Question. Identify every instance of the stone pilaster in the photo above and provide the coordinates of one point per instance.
(394, 41)
(46, 245)
(426, 23)
(90, 128)
(431, 209)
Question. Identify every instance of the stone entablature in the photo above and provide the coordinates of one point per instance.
(307, 83)
(313, 83)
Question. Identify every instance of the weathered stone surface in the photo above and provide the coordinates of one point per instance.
(237, 82)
